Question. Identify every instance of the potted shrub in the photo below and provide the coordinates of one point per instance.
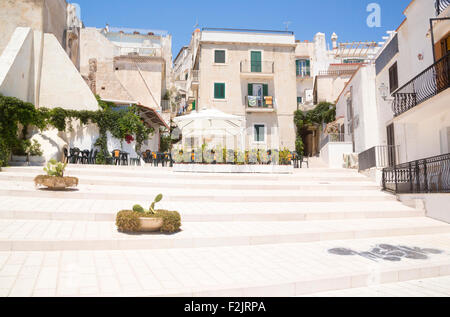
(151, 220)
(28, 151)
(55, 178)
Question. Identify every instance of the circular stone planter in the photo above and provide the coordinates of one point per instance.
(150, 224)
(56, 183)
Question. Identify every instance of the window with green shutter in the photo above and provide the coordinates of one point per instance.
(219, 56)
(219, 91)
(255, 61)
(299, 100)
(303, 67)
(259, 135)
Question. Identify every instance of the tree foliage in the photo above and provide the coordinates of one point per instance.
(325, 112)
(118, 121)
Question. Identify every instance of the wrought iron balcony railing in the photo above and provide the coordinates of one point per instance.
(430, 175)
(441, 5)
(261, 67)
(378, 156)
(427, 84)
(256, 102)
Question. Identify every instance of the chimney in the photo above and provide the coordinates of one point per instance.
(334, 39)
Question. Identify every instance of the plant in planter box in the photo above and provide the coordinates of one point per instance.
(141, 220)
(55, 178)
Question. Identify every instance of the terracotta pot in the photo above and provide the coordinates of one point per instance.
(56, 183)
(150, 224)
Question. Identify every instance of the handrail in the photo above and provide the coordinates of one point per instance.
(429, 175)
(425, 85)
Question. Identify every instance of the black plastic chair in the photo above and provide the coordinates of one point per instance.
(67, 157)
(85, 157)
(124, 158)
(75, 153)
(94, 157)
(302, 160)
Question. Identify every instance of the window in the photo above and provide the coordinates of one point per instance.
(260, 133)
(255, 61)
(303, 67)
(219, 91)
(219, 57)
(299, 100)
(393, 78)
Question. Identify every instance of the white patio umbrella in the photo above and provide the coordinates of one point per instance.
(209, 123)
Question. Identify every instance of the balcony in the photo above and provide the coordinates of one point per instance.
(257, 69)
(432, 81)
(259, 104)
(430, 175)
(441, 5)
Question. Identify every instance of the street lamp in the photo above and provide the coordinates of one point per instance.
(384, 92)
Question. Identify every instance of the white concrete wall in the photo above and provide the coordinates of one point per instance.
(17, 66)
(363, 87)
(61, 83)
(333, 153)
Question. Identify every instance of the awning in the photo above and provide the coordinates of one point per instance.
(209, 119)
(152, 116)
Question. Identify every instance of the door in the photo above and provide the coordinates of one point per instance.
(258, 93)
(392, 159)
(255, 57)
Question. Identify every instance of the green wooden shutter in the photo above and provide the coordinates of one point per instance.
(250, 89)
(265, 90)
(308, 69)
(255, 61)
(297, 67)
(219, 91)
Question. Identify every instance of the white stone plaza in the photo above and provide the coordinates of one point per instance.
(242, 235)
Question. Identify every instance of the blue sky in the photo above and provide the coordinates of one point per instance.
(345, 17)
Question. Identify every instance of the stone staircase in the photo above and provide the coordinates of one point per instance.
(242, 235)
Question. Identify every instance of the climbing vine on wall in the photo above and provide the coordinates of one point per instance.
(118, 121)
(325, 112)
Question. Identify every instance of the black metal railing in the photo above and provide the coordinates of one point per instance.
(441, 5)
(262, 67)
(378, 156)
(427, 84)
(430, 175)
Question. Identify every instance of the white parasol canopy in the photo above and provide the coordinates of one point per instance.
(209, 122)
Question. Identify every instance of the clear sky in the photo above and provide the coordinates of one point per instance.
(345, 17)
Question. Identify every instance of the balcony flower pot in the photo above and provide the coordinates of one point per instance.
(37, 160)
(56, 183)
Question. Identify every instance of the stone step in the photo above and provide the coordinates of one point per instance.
(203, 183)
(429, 287)
(236, 271)
(105, 210)
(166, 173)
(34, 235)
(123, 193)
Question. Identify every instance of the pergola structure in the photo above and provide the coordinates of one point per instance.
(355, 49)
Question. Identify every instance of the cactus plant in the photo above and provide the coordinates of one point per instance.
(157, 200)
(138, 208)
(55, 168)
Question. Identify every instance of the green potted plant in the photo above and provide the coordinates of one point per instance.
(55, 178)
(151, 220)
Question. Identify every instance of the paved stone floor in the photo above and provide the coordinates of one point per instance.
(242, 235)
